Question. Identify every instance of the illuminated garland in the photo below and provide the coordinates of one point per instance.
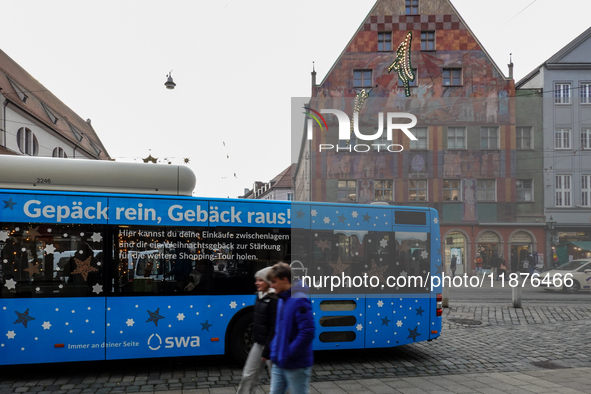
(402, 63)
(359, 101)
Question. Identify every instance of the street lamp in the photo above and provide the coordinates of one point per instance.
(551, 226)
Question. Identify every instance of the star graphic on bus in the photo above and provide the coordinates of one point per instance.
(10, 284)
(83, 268)
(32, 269)
(399, 323)
(10, 334)
(300, 214)
(313, 212)
(383, 243)
(130, 322)
(49, 249)
(205, 326)
(338, 267)
(435, 220)
(424, 254)
(323, 244)
(366, 218)
(233, 305)
(326, 220)
(359, 327)
(354, 214)
(23, 317)
(342, 218)
(413, 333)
(155, 316)
(96, 237)
(9, 204)
(3, 236)
(97, 288)
(46, 325)
(180, 316)
(385, 321)
(380, 303)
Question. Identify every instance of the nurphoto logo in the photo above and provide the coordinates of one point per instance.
(346, 126)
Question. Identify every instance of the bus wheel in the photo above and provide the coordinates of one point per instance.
(242, 338)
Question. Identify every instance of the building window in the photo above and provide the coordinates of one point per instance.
(452, 77)
(523, 137)
(384, 41)
(59, 152)
(417, 190)
(422, 142)
(289, 196)
(27, 142)
(412, 7)
(562, 138)
(456, 138)
(585, 138)
(585, 93)
(562, 93)
(19, 91)
(383, 190)
(525, 191)
(489, 138)
(563, 190)
(412, 83)
(451, 190)
(347, 190)
(76, 133)
(586, 190)
(362, 78)
(486, 190)
(95, 147)
(427, 41)
(50, 114)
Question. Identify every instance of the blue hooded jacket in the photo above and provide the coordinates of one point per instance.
(291, 347)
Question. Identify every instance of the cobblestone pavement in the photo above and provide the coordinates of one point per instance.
(477, 341)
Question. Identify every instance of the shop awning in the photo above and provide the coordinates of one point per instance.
(585, 245)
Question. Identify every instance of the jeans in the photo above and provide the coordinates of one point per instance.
(252, 369)
(296, 380)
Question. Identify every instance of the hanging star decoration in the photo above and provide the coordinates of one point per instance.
(378, 271)
(155, 316)
(402, 63)
(338, 267)
(23, 318)
(413, 333)
(84, 268)
(32, 269)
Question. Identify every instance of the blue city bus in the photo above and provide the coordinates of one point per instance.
(109, 274)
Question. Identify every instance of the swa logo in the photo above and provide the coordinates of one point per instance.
(155, 342)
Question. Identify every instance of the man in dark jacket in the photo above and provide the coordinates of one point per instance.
(265, 307)
(291, 348)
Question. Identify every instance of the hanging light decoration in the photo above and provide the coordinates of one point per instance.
(402, 63)
(169, 82)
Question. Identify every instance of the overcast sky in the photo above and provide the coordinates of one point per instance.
(237, 64)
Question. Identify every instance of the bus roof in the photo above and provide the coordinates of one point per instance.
(45, 173)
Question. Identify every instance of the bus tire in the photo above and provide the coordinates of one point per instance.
(242, 338)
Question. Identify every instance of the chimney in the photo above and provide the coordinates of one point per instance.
(510, 66)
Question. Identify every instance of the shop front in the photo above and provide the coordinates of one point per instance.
(488, 244)
(456, 245)
(521, 247)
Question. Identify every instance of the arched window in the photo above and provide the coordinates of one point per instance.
(27, 142)
(59, 152)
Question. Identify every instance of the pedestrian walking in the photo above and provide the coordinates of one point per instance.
(494, 265)
(478, 262)
(291, 348)
(265, 308)
(502, 268)
(453, 265)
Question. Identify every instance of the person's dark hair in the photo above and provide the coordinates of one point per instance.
(280, 271)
